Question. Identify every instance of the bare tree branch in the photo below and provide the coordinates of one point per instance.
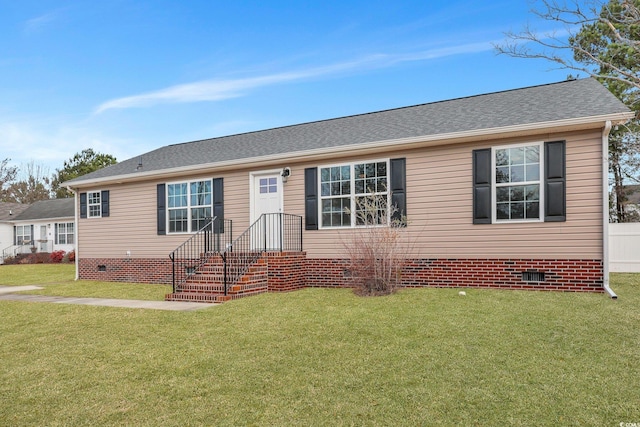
(527, 43)
(602, 41)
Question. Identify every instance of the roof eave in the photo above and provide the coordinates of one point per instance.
(582, 123)
(39, 219)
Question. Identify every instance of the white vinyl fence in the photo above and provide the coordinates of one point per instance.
(624, 247)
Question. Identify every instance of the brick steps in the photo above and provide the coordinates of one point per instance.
(197, 297)
(207, 285)
(205, 278)
(201, 288)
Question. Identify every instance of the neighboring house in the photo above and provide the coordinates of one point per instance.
(8, 211)
(503, 190)
(632, 205)
(44, 226)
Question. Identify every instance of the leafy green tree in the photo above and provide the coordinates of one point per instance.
(7, 175)
(80, 164)
(604, 42)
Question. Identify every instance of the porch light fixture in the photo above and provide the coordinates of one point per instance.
(286, 172)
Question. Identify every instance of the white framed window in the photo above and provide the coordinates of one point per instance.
(354, 194)
(94, 204)
(65, 234)
(517, 182)
(23, 234)
(189, 205)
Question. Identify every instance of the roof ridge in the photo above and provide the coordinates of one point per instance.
(374, 112)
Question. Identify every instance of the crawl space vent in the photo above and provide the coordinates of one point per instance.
(532, 276)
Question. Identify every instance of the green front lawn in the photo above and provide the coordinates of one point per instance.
(328, 357)
(58, 279)
(36, 274)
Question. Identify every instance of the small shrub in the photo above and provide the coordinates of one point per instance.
(57, 256)
(32, 258)
(10, 260)
(71, 256)
(41, 258)
(377, 250)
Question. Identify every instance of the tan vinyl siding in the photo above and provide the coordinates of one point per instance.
(439, 205)
(132, 223)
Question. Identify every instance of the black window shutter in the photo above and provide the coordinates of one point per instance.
(311, 199)
(161, 209)
(33, 238)
(399, 191)
(555, 181)
(104, 200)
(15, 235)
(83, 205)
(218, 203)
(482, 186)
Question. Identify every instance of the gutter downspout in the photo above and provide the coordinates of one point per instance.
(605, 209)
(75, 217)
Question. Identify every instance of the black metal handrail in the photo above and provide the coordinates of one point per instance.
(214, 237)
(277, 232)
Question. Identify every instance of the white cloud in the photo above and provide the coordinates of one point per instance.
(36, 24)
(217, 90)
(210, 90)
(50, 144)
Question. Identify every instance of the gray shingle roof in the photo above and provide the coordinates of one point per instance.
(8, 211)
(48, 209)
(558, 101)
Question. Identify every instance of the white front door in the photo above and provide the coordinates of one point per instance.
(43, 239)
(267, 199)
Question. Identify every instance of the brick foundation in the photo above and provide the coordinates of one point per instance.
(286, 270)
(559, 275)
(292, 270)
(327, 273)
(135, 270)
(283, 271)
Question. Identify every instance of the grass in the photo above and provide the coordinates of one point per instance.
(328, 357)
(36, 274)
(58, 279)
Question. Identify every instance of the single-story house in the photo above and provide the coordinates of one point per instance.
(8, 211)
(44, 226)
(501, 190)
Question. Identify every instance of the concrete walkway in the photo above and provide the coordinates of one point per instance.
(7, 293)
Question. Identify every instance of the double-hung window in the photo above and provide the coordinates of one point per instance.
(23, 234)
(94, 204)
(517, 172)
(520, 183)
(188, 205)
(354, 194)
(65, 233)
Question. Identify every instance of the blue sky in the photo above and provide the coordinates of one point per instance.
(125, 77)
